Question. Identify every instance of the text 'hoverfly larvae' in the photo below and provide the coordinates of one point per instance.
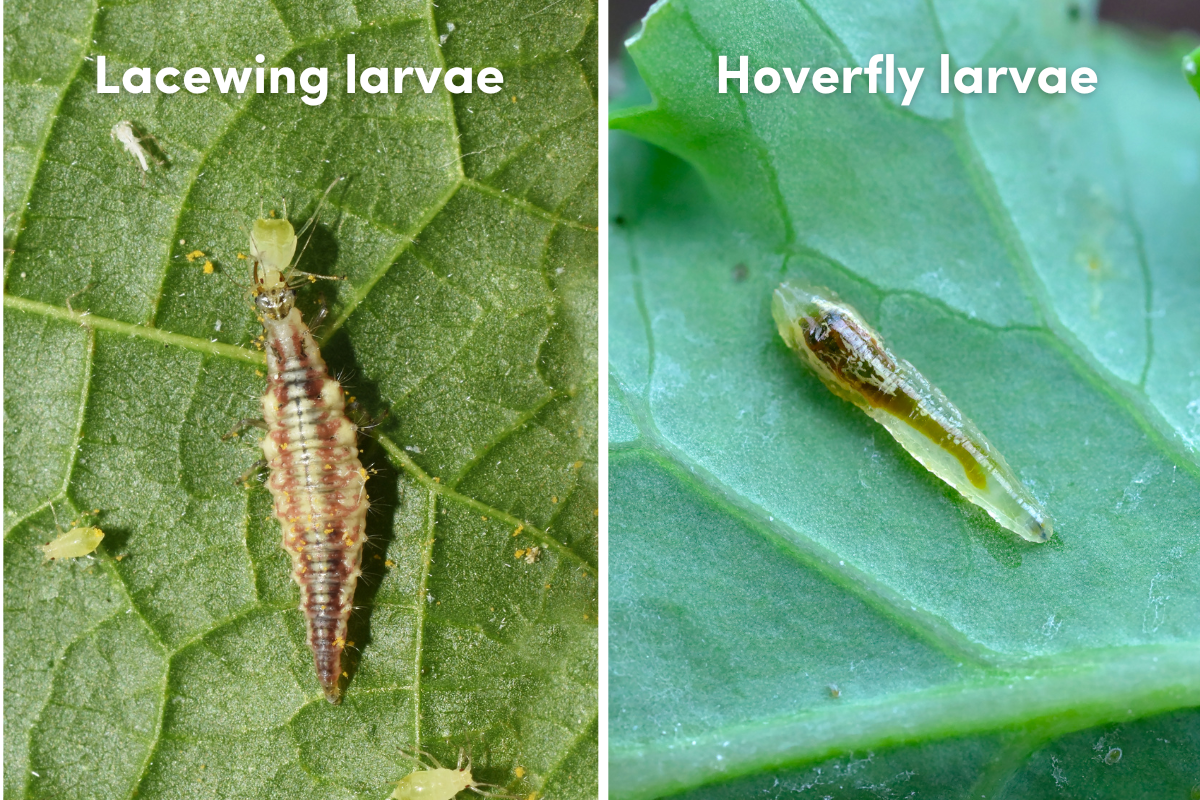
(851, 359)
(316, 480)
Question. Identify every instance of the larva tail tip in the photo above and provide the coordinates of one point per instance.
(333, 694)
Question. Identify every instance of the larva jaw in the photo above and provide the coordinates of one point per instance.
(794, 305)
(272, 246)
(1038, 528)
(333, 694)
(274, 303)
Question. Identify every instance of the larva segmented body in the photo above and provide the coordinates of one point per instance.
(851, 359)
(316, 480)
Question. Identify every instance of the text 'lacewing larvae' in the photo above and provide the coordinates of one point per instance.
(851, 359)
(438, 782)
(316, 480)
(75, 543)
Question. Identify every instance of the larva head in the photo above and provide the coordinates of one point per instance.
(1037, 526)
(272, 247)
(798, 309)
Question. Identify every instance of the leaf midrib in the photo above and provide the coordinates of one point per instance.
(1116, 685)
(210, 348)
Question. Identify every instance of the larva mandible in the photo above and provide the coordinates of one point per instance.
(851, 359)
(316, 480)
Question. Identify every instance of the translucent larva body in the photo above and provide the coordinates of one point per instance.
(75, 543)
(851, 359)
(316, 480)
(124, 133)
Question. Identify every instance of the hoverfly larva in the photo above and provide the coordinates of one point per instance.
(316, 480)
(851, 359)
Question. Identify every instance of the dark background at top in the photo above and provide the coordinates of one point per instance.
(1164, 15)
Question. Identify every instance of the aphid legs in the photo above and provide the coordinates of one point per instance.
(244, 478)
(73, 295)
(416, 754)
(320, 203)
(244, 423)
(318, 318)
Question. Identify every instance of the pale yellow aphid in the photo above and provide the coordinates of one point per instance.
(438, 782)
(851, 359)
(75, 543)
(124, 133)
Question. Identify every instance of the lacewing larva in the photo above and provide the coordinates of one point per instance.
(316, 480)
(853, 362)
(438, 782)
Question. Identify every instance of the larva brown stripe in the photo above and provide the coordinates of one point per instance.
(318, 486)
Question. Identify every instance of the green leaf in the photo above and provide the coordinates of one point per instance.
(1191, 69)
(797, 606)
(173, 663)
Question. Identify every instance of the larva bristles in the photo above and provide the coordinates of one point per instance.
(315, 477)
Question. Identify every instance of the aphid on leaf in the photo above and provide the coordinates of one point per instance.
(316, 480)
(79, 541)
(438, 782)
(529, 554)
(124, 133)
(851, 359)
